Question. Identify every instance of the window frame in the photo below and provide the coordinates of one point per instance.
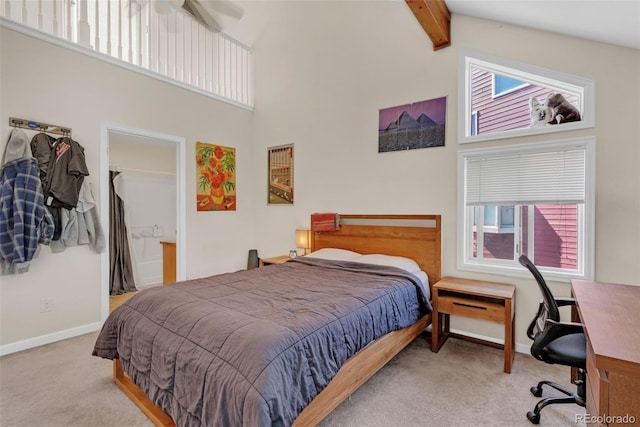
(529, 74)
(586, 214)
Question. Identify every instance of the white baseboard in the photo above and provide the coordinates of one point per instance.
(49, 338)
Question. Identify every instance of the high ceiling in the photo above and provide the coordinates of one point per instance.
(609, 21)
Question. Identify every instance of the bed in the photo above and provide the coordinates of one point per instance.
(288, 381)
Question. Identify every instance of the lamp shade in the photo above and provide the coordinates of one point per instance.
(302, 239)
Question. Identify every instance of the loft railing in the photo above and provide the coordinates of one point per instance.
(174, 45)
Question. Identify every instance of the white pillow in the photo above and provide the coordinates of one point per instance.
(334, 254)
(424, 280)
(406, 264)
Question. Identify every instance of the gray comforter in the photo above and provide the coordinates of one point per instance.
(253, 348)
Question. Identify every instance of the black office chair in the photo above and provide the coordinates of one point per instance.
(557, 343)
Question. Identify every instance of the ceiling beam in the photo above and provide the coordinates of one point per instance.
(434, 17)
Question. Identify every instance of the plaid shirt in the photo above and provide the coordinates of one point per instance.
(24, 220)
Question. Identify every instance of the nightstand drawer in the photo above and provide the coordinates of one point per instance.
(476, 308)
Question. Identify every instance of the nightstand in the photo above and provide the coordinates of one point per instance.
(477, 299)
(274, 260)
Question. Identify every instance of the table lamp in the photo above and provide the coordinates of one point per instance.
(302, 241)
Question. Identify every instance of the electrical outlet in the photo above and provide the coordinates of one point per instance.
(46, 304)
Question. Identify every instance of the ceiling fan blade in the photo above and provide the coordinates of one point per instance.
(202, 15)
(226, 7)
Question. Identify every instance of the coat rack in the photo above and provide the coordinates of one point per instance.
(41, 126)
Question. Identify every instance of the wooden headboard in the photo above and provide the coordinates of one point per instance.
(412, 236)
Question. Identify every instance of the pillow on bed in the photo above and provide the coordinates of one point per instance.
(406, 264)
(334, 254)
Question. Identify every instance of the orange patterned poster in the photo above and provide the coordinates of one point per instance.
(216, 177)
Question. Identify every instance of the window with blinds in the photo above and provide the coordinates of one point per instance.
(533, 199)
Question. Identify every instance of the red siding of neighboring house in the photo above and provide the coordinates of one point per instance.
(555, 238)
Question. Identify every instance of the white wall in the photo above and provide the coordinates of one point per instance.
(141, 153)
(324, 69)
(44, 82)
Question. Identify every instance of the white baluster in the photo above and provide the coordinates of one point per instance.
(227, 70)
(109, 29)
(185, 53)
(162, 23)
(245, 77)
(214, 63)
(119, 29)
(194, 54)
(152, 52)
(156, 51)
(235, 69)
(56, 25)
(174, 47)
(40, 22)
(7, 9)
(179, 48)
(84, 30)
(140, 31)
(25, 14)
(130, 33)
(207, 60)
(97, 25)
(169, 30)
(70, 4)
(220, 66)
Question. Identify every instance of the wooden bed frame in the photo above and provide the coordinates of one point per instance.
(411, 236)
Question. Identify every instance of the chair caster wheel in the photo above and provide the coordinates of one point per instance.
(536, 391)
(533, 417)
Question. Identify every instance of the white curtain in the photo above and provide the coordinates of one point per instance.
(150, 215)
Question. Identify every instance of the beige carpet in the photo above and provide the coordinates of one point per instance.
(61, 384)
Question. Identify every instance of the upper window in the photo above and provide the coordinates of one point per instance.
(533, 199)
(501, 99)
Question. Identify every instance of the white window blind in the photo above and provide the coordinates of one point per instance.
(526, 178)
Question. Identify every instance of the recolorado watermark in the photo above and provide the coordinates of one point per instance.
(605, 419)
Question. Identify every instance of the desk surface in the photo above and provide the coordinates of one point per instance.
(611, 317)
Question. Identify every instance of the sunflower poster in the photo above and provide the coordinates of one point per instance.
(216, 177)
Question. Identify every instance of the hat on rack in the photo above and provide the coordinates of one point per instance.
(18, 147)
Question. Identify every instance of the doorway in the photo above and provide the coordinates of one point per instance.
(162, 161)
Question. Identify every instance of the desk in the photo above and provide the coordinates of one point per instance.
(477, 299)
(610, 314)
